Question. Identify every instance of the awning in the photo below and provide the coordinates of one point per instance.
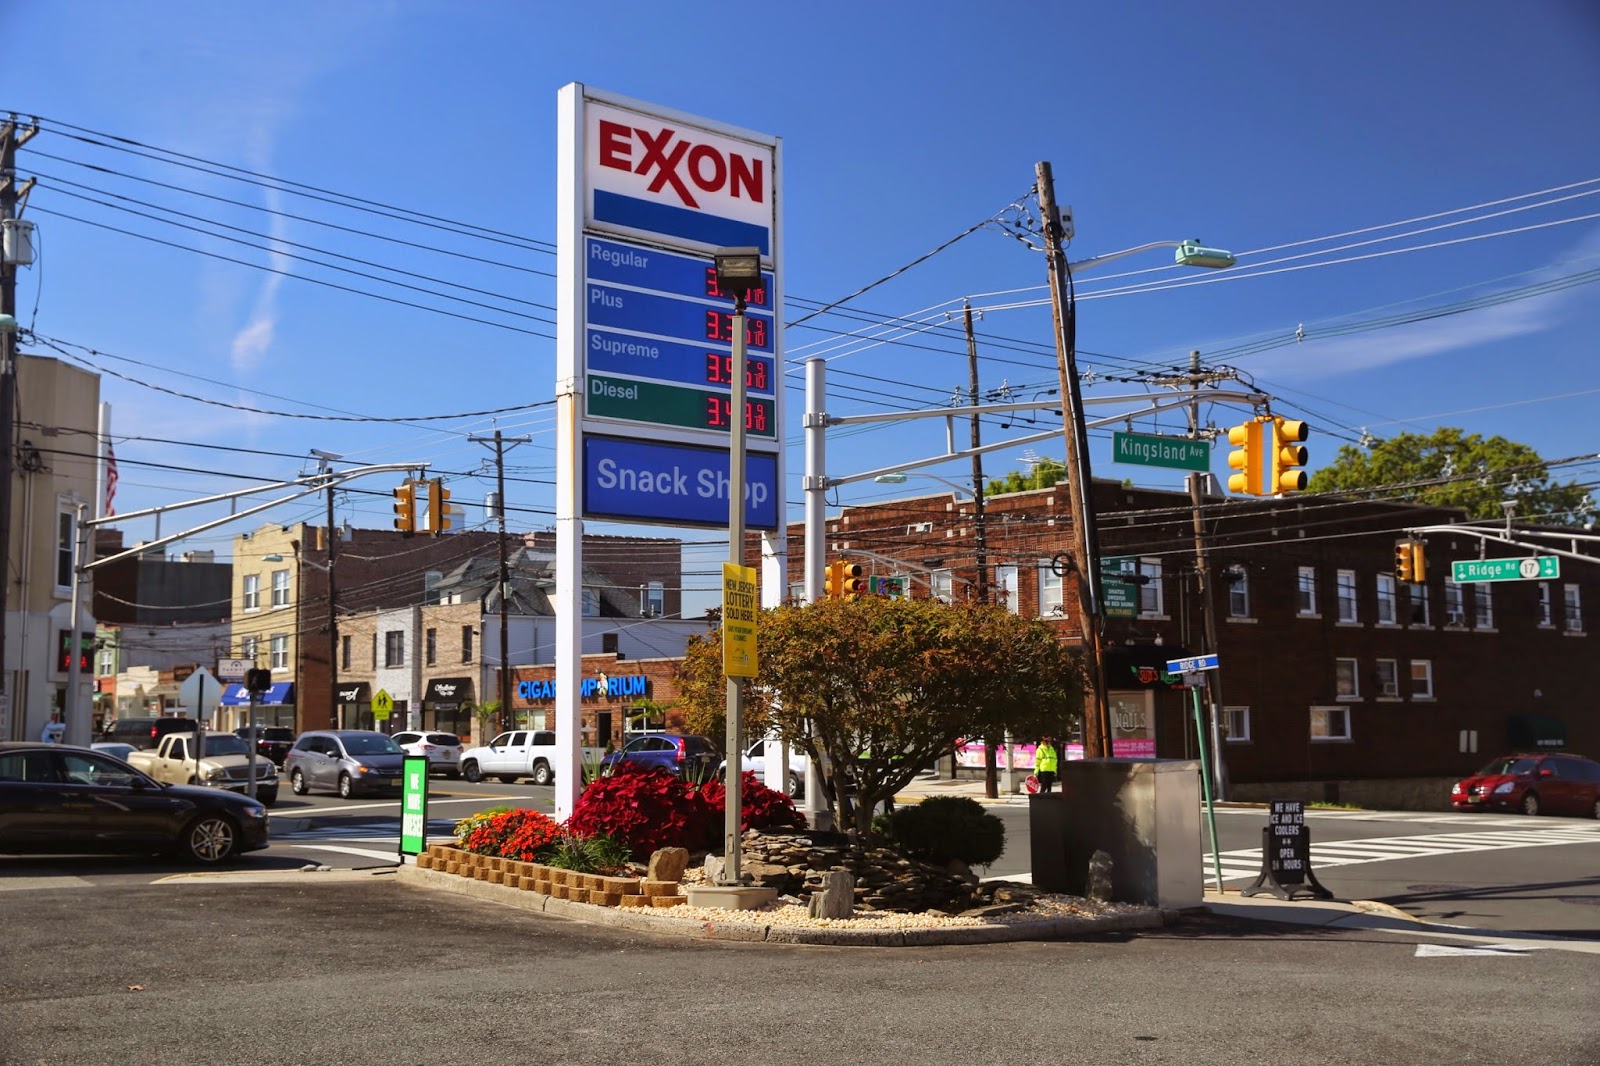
(356, 692)
(1142, 666)
(455, 690)
(1536, 732)
(239, 696)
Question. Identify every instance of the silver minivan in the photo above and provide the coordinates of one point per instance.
(350, 762)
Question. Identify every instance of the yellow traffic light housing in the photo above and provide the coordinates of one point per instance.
(1287, 456)
(1419, 562)
(833, 582)
(405, 508)
(1404, 559)
(439, 510)
(1247, 441)
(855, 580)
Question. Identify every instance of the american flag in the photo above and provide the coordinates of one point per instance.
(111, 479)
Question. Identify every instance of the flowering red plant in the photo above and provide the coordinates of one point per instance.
(518, 834)
(760, 807)
(644, 807)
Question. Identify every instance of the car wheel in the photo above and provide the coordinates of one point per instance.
(210, 839)
(345, 789)
(797, 785)
(542, 774)
(1530, 803)
(471, 772)
(297, 783)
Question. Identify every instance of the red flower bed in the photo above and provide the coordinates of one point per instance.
(519, 834)
(644, 807)
(760, 807)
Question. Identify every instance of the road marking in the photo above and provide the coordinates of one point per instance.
(1439, 951)
(394, 804)
(64, 880)
(386, 856)
(1246, 862)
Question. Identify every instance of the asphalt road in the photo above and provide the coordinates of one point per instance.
(369, 971)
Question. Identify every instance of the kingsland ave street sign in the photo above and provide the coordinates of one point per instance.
(1177, 453)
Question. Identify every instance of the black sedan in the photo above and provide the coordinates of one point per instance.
(272, 741)
(68, 800)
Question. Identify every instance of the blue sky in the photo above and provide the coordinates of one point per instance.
(1367, 162)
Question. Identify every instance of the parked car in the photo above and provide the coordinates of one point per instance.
(272, 741)
(442, 749)
(687, 755)
(145, 733)
(70, 800)
(1538, 783)
(347, 761)
(755, 761)
(519, 753)
(114, 748)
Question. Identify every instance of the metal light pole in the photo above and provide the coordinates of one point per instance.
(738, 271)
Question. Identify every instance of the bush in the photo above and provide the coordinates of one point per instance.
(513, 834)
(760, 807)
(942, 828)
(588, 855)
(645, 808)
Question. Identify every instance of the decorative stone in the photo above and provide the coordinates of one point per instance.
(655, 889)
(636, 901)
(716, 868)
(836, 897)
(1099, 882)
(667, 901)
(668, 864)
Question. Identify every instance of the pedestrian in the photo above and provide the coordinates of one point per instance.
(54, 730)
(1045, 764)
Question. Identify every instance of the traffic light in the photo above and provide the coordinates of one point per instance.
(833, 582)
(405, 508)
(439, 510)
(1404, 561)
(855, 580)
(1246, 458)
(1287, 456)
(1419, 562)
(257, 680)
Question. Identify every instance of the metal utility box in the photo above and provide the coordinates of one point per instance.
(1144, 813)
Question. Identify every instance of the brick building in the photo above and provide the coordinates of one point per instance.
(1332, 673)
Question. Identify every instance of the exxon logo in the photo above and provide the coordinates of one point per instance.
(671, 161)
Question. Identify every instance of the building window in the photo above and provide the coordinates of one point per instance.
(1418, 595)
(1386, 676)
(1455, 605)
(432, 647)
(1421, 679)
(280, 588)
(252, 592)
(280, 651)
(653, 600)
(1049, 590)
(344, 652)
(1546, 614)
(1307, 592)
(1237, 722)
(394, 648)
(1151, 602)
(1330, 723)
(105, 661)
(430, 588)
(1344, 592)
(1574, 608)
(66, 548)
(1386, 600)
(1483, 600)
(249, 648)
(374, 650)
(1238, 579)
(1346, 681)
(466, 644)
(591, 603)
(942, 585)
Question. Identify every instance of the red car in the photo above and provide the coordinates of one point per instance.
(1541, 783)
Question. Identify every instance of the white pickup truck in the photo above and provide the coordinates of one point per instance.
(224, 763)
(517, 754)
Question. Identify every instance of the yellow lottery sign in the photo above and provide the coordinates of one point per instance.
(738, 620)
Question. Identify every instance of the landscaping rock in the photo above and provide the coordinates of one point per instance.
(668, 864)
(835, 897)
(1099, 883)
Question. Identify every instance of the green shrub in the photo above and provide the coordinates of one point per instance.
(587, 855)
(942, 828)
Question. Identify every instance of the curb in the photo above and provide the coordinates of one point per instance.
(751, 932)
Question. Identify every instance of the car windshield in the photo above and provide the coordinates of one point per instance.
(442, 738)
(226, 744)
(377, 744)
(1512, 767)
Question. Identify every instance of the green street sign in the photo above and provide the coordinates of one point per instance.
(414, 805)
(1118, 599)
(1531, 568)
(1143, 449)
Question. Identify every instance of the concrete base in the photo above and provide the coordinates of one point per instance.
(730, 897)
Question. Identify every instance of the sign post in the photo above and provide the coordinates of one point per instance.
(414, 807)
(1192, 667)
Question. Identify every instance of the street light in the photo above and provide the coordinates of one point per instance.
(738, 271)
(899, 477)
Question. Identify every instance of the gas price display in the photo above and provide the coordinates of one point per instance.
(719, 371)
(719, 410)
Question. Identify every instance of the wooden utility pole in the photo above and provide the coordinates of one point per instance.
(991, 766)
(10, 138)
(1080, 502)
(1202, 569)
(500, 442)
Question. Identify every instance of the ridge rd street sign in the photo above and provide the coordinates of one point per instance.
(1192, 664)
(1532, 568)
(1178, 453)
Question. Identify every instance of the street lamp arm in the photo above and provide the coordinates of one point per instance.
(1100, 260)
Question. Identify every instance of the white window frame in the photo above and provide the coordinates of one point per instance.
(252, 592)
(1571, 608)
(1390, 689)
(394, 649)
(1238, 582)
(1330, 725)
(280, 589)
(653, 599)
(1005, 587)
(249, 648)
(1152, 594)
(1237, 721)
(1354, 694)
(1306, 592)
(1051, 601)
(1483, 607)
(942, 585)
(1547, 618)
(589, 598)
(1344, 595)
(279, 651)
(1417, 596)
(1422, 679)
(1388, 601)
(66, 556)
(1455, 605)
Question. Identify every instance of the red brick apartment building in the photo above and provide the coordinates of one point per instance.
(1334, 675)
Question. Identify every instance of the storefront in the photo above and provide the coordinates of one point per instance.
(447, 705)
(276, 706)
(353, 705)
(1135, 674)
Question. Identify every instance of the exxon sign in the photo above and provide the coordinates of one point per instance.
(657, 177)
